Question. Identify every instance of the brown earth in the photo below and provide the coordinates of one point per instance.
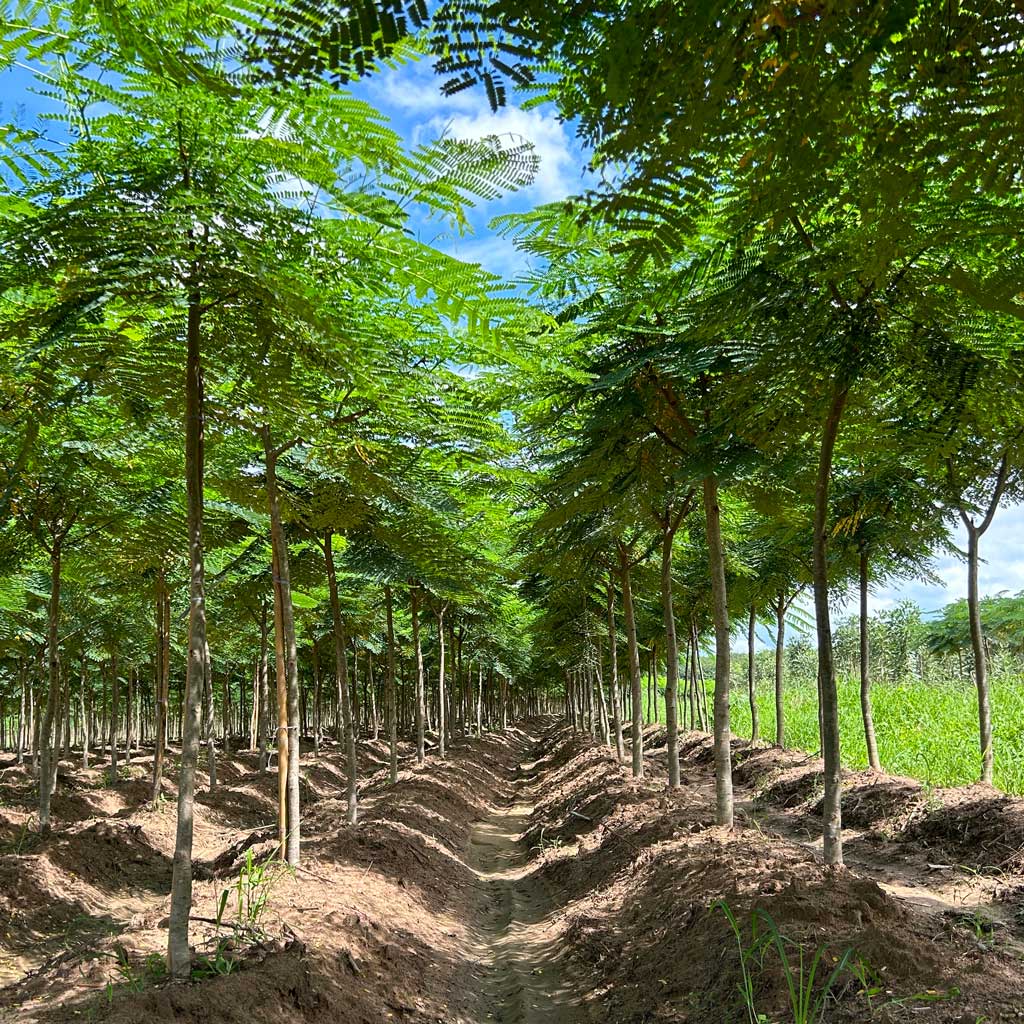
(527, 878)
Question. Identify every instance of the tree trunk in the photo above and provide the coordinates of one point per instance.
(341, 674)
(480, 701)
(115, 714)
(23, 714)
(163, 680)
(829, 699)
(314, 652)
(614, 682)
(287, 657)
(780, 651)
(211, 748)
(281, 680)
(414, 601)
(722, 735)
(636, 684)
(179, 957)
(263, 683)
(47, 760)
(392, 704)
(84, 702)
(441, 722)
(978, 649)
(755, 724)
(865, 666)
(671, 660)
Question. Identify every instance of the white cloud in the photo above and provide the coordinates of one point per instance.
(561, 165)
(415, 89)
(1001, 568)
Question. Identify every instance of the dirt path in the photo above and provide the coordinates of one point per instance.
(516, 936)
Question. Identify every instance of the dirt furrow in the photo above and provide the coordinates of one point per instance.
(515, 934)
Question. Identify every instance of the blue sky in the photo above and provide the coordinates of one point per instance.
(411, 98)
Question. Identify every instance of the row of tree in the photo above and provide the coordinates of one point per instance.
(240, 425)
(777, 348)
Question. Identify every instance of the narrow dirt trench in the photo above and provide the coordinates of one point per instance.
(515, 935)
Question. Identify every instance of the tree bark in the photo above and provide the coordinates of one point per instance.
(755, 724)
(84, 709)
(392, 704)
(614, 681)
(341, 671)
(47, 760)
(671, 660)
(865, 666)
(23, 715)
(974, 534)
(441, 722)
(263, 685)
(288, 656)
(636, 684)
(420, 711)
(722, 734)
(208, 728)
(163, 680)
(282, 718)
(829, 699)
(179, 957)
(980, 659)
(780, 650)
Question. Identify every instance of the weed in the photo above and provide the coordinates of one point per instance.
(217, 965)
(807, 999)
(543, 844)
(25, 840)
(252, 892)
(151, 971)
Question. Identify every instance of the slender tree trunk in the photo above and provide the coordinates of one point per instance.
(211, 748)
(865, 666)
(755, 724)
(341, 674)
(85, 710)
(671, 660)
(130, 735)
(315, 654)
(829, 702)
(392, 704)
(283, 752)
(286, 645)
(23, 712)
(414, 601)
(480, 701)
(613, 647)
(179, 957)
(163, 680)
(780, 651)
(263, 716)
(47, 760)
(634, 663)
(115, 714)
(978, 650)
(441, 722)
(722, 735)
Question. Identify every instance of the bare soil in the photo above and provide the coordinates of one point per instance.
(527, 878)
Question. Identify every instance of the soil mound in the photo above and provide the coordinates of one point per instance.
(976, 826)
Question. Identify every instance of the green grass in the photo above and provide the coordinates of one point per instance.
(928, 731)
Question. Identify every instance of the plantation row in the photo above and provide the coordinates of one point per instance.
(274, 467)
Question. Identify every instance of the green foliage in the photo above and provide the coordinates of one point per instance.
(808, 986)
(251, 894)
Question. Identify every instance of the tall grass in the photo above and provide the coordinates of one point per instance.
(928, 731)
